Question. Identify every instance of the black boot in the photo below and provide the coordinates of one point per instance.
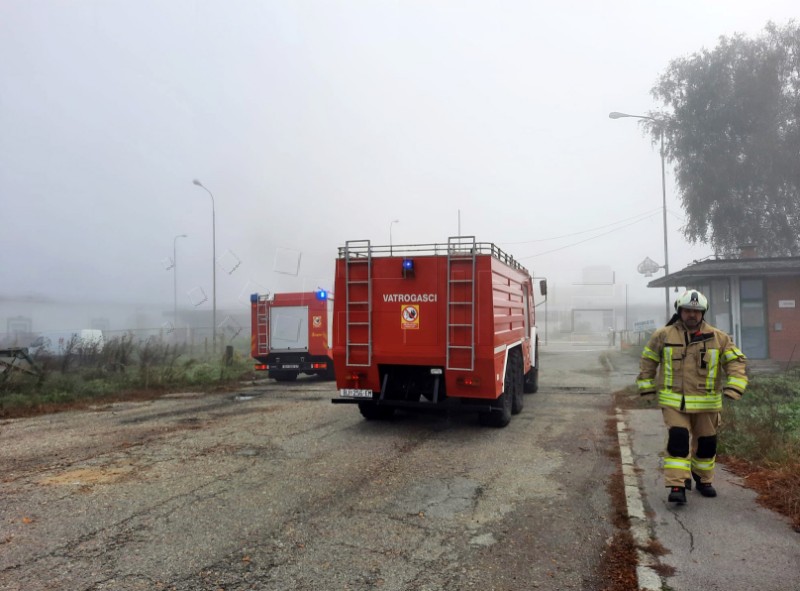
(704, 488)
(677, 494)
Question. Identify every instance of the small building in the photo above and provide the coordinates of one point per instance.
(755, 300)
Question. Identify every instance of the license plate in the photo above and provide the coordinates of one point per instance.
(290, 366)
(354, 393)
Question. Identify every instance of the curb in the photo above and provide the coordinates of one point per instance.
(648, 579)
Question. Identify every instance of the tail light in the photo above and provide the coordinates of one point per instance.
(356, 378)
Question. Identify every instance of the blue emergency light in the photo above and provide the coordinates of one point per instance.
(322, 294)
(408, 267)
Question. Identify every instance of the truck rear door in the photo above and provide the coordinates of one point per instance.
(288, 328)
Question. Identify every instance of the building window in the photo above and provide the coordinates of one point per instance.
(753, 310)
(720, 305)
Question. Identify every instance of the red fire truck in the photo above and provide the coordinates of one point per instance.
(434, 326)
(291, 334)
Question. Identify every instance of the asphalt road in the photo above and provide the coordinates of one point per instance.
(274, 487)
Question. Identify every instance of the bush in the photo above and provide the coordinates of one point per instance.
(200, 373)
(122, 366)
(764, 426)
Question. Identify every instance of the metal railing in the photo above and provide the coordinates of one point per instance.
(367, 250)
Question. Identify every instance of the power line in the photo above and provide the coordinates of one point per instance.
(646, 215)
(586, 240)
(676, 216)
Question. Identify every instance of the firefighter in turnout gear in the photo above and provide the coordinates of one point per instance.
(683, 364)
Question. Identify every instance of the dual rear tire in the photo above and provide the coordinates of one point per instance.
(283, 375)
(530, 384)
(373, 412)
(510, 402)
(517, 401)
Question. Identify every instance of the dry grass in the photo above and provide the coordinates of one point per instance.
(630, 398)
(618, 570)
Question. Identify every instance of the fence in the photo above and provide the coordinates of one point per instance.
(195, 341)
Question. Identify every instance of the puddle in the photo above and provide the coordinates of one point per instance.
(248, 452)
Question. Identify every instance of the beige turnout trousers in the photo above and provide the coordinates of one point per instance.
(691, 445)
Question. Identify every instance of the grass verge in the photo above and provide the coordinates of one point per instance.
(760, 442)
(122, 370)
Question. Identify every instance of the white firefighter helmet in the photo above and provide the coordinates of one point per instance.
(692, 300)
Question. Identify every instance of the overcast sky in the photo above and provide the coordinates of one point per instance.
(316, 122)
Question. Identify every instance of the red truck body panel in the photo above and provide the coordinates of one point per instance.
(455, 313)
(291, 334)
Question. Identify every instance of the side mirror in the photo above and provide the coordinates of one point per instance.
(543, 286)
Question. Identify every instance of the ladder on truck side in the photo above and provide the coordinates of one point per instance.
(262, 325)
(461, 265)
(358, 302)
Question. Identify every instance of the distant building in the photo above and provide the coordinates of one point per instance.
(24, 318)
(595, 309)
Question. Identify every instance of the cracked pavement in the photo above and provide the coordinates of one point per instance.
(274, 487)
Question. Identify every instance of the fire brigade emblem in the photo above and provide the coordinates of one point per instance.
(317, 321)
(410, 317)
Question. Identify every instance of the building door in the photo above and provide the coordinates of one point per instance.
(754, 318)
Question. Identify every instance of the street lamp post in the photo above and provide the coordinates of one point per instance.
(617, 115)
(393, 222)
(175, 281)
(213, 267)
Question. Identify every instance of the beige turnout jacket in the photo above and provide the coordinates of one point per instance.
(685, 368)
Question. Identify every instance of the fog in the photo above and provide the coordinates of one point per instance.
(316, 122)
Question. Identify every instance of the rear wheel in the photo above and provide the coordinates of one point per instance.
(500, 415)
(373, 412)
(517, 367)
(283, 376)
(531, 383)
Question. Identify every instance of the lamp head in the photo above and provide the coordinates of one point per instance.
(196, 182)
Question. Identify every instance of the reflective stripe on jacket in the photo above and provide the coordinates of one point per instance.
(686, 372)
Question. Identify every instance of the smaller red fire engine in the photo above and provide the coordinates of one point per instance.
(291, 334)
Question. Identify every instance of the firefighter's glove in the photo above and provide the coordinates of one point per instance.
(732, 394)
